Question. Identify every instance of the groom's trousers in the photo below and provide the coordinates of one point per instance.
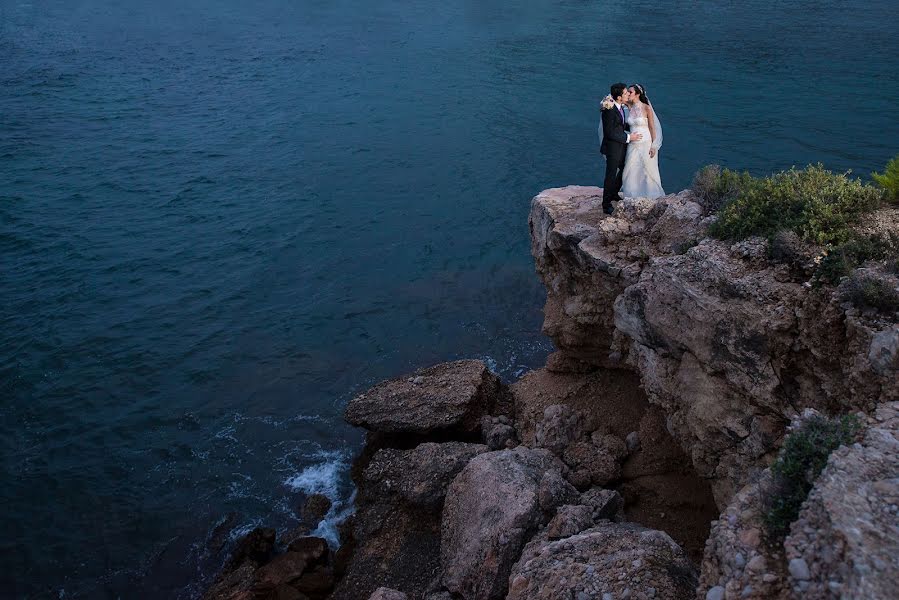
(615, 153)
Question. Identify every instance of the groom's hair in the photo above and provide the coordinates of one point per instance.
(616, 90)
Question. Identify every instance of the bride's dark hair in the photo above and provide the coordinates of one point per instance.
(642, 92)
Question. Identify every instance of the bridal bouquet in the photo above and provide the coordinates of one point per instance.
(607, 102)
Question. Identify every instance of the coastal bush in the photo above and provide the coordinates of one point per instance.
(818, 205)
(870, 289)
(715, 186)
(889, 180)
(857, 250)
(801, 460)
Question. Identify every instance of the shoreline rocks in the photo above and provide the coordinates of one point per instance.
(450, 397)
(680, 361)
(440, 518)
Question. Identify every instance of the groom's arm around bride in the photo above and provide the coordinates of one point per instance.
(614, 142)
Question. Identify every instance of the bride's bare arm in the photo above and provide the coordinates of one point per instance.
(650, 117)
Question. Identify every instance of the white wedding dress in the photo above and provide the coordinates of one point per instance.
(640, 178)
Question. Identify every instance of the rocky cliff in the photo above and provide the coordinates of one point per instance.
(636, 463)
(730, 344)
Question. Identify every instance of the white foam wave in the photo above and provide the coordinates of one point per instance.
(325, 478)
(339, 511)
(322, 478)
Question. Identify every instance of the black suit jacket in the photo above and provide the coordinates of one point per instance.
(614, 131)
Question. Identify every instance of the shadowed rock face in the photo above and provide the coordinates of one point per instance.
(447, 397)
(728, 343)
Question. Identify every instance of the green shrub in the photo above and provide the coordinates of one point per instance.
(715, 186)
(801, 460)
(889, 180)
(867, 289)
(818, 205)
(856, 251)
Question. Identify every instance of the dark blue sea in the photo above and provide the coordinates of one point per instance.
(220, 219)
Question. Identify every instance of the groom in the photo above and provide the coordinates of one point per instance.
(614, 140)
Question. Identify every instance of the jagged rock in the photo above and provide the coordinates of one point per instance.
(317, 583)
(395, 532)
(845, 543)
(232, 583)
(383, 593)
(391, 545)
(313, 511)
(604, 504)
(727, 342)
(621, 559)
(559, 427)
(570, 519)
(491, 509)
(450, 396)
(417, 477)
(559, 362)
(632, 442)
(587, 259)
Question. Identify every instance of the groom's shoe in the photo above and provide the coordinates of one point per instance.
(608, 210)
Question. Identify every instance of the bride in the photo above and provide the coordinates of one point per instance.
(640, 178)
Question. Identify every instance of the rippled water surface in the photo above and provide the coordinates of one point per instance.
(220, 219)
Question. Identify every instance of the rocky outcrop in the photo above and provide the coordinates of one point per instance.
(677, 355)
(447, 397)
(728, 343)
(611, 560)
(843, 543)
(738, 562)
(440, 518)
(492, 508)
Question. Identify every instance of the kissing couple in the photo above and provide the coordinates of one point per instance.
(631, 137)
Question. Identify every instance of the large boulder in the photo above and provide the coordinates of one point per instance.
(610, 560)
(447, 397)
(417, 477)
(492, 508)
